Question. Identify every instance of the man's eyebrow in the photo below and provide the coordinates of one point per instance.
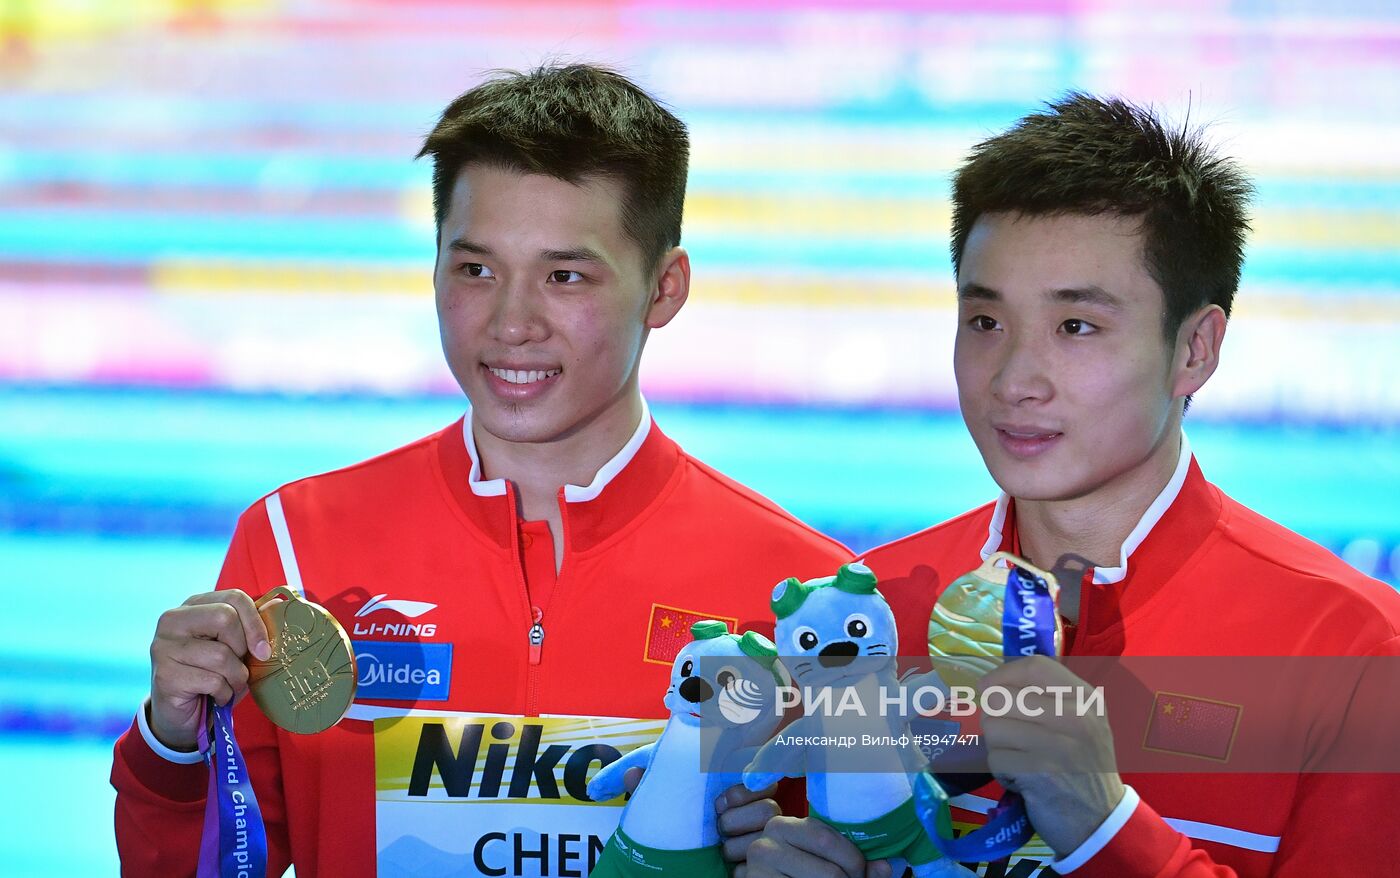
(568, 254)
(462, 245)
(1088, 295)
(977, 293)
(573, 254)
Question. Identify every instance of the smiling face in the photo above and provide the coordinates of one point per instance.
(544, 305)
(1065, 379)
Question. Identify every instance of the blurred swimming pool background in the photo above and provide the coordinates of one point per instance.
(215, 257)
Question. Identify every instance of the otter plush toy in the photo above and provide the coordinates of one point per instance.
(838, 640)
(722, 698)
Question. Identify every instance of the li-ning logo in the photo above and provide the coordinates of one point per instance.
(741, 702)
(407, 609)
(411, 609)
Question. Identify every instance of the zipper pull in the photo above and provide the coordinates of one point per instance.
(536, 636)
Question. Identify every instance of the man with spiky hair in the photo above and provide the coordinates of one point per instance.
(1097, 254)
(517, 584)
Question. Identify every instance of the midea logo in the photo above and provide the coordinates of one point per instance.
(373, 671)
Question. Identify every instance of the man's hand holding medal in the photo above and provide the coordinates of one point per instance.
(207, 654)
(291, 652)
(1057, 767)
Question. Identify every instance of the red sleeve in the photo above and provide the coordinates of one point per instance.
(1347, 823)
(1146, 847)
(160, 804)
(1341, 824)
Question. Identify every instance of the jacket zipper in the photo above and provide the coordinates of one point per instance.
(536, 635)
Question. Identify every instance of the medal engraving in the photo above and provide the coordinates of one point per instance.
(965, 628)
(308, 683)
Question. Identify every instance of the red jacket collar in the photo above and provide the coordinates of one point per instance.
(639, 483)
(1165, 548)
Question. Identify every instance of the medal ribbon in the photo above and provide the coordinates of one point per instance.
(234, 843)
(1027, 628)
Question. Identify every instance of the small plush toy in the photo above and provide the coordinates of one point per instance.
(838, 640)
(722, 698)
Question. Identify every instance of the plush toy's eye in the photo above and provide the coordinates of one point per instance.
(727, 677)
(857, 625)
(687, 667)
(805, 638)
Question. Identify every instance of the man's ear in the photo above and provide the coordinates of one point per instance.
(1198, 349)
(671, 290)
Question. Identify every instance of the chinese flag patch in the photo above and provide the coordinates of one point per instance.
(669, 631)
(1192, 726)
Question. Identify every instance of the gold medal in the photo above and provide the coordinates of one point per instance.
(308, 683)
(964, 631)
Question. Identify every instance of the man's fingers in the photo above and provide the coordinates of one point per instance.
(212, 656)
(184, 682)
(750, 817)
(254, 631)
(1012, 767)
(209, 620)
(1051, 745)
(736, 847)
(818, 846)
(743, 813)
(742, 825)
(879, 869)
(199, 649)
(768, 857)
(741, 795)
(1035, 670)
(630, 778)
(244, 631)
(1007, 733)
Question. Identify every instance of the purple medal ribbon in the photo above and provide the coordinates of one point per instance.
(1027, 628)
(234, 843)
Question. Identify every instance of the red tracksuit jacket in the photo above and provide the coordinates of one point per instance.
(1208, 578)
(657, 542)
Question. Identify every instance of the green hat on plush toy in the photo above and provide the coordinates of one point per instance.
(788, 595)
(855, 578)
(751, 643)
(758, 648)
(708, 629)
(763, 651)
(791, 593)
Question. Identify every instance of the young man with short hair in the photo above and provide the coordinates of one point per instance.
(544, 555)
(1097, 254)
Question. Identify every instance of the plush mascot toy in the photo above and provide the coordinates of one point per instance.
(838, 640)
(723, 703)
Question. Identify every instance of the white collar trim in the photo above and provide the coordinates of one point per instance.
(480, 487)
(1154, 513)
(572, 493)
(609, 470)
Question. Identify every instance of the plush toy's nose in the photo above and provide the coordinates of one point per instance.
(838, 654)
(696, 690)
